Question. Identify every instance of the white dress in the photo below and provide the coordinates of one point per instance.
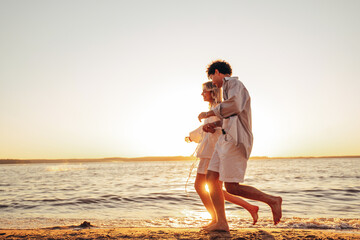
(206, 143)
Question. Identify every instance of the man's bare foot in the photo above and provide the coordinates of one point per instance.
(219, 226)
(276, 209)
(209, 224)
(254, 214)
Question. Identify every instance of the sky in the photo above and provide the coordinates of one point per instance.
(94, 79)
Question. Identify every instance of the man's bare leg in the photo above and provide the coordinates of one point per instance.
(200, 183)
(217, 197)
(255, 194)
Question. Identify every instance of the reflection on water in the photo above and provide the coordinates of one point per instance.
(311, 188)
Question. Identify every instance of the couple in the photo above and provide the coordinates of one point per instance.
(225, 142)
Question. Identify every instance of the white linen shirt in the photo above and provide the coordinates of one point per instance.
(235, 111)
(206, 140)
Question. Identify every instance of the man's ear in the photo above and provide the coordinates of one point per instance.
(216, 71)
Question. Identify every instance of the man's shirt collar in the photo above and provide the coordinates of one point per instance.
(228, 78)
(225, 79)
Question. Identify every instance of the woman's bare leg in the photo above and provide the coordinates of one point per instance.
(200, 183)
(218, 201)
(252, 209)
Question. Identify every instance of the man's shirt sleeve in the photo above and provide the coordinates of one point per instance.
(237, 100)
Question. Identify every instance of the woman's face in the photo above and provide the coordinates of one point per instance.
(207, 96)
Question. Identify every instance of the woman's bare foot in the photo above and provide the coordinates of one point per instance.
(254, 213)
(276, 209)
(209, 224)
(219, 226)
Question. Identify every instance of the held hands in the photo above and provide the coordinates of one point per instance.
(210, 127)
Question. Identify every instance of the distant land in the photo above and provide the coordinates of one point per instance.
(142, 159)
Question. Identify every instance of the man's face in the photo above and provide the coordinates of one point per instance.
(216, 78)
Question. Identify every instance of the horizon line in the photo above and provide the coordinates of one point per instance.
(146, 158)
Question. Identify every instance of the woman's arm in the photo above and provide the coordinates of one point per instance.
(206, 115)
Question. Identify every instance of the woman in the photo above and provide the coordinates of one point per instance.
(206, 145)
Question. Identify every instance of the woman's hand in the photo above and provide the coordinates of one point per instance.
(202, 116)
(206, 115)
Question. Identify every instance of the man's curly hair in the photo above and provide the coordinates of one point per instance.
(222, 66)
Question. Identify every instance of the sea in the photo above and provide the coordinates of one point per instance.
(318, 193)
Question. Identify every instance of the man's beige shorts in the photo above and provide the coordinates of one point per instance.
(229, 161)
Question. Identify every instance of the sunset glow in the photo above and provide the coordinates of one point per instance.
(93, 79)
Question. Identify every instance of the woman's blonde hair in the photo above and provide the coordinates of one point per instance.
(215, 93)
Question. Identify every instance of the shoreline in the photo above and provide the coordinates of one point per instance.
(319, 223)
(73, 232)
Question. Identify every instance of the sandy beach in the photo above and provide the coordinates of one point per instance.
(174, 233)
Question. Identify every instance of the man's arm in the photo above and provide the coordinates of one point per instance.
(237, 102)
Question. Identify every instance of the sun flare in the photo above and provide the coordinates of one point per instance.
(207, 188)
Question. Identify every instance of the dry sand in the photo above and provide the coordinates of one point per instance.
(174, 233)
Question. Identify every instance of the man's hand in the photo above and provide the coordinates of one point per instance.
(210, 127)
(188, 139)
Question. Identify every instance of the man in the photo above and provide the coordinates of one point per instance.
(232, 151)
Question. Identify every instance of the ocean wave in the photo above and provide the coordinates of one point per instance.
(130, 190)
(82, 201)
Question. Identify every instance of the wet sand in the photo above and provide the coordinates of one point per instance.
(174, 233)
